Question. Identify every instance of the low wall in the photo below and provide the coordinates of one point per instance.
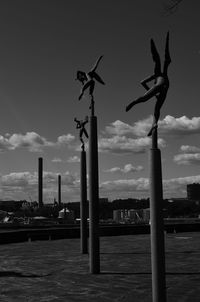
(64, 232)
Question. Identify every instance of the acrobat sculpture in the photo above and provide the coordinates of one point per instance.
(88, 82)
(161, 83)
(81, 125)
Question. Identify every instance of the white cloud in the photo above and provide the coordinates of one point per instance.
(169, 126)
(128, 168)
(65, 139)
(119, 128)
(190, 155)
(32, 141)
(20, 185)
(122, 144)
(189, 149)
(175, 187)
(178, 186)
(187, 159)
(124, 185)
(57, 160)
(180, 126)
(73, 159)
(174, 126)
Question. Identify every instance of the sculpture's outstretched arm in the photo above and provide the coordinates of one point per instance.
(167, 55)
(97, 77)
(78, 125)
(146, 80)
(156, 59)
(96, 64)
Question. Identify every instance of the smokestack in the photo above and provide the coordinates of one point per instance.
(40, 182)
(59, 190)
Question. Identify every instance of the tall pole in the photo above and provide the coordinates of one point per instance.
(93, 196)
(83, 203)
(40, 182)
(59, 191)
(157, 225)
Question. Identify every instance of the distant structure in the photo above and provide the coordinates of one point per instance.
(66, 216)
(131, 215)
(193, 191)
(40, 182)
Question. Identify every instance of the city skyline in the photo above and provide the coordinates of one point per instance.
(43, 44)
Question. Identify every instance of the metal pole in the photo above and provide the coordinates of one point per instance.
(93, 198)
(40, 182)
(83, 204)
(157, 225)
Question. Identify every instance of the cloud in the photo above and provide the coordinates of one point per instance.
(175, 187)
(124, 185)
(180, 126)
(73, 159)
(178, 186)
(32, 141)
(119, 128)
(122, 144)
(128, 168)
(57, 160)
(20, 185)
(65, 139)
(187, 159)
(169, 126)
(190, 155)
(189, 149)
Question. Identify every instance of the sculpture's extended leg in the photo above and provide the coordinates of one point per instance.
(148, 95)
(88, 84)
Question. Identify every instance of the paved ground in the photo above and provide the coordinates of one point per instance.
(56, 271)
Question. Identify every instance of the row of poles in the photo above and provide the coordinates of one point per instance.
(156, 189)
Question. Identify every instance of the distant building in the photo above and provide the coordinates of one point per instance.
(131, 216)
(193, 191)
(146, 215)
(66, 216)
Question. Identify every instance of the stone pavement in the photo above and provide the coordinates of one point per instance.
(56, 271)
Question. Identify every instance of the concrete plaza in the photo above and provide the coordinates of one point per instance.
(41, 271)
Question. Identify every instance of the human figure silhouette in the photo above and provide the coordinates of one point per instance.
(81, 125)
(161, 83)
(88, 79)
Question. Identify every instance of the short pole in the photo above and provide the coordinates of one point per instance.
(40, 182)
(94, 256)
(83, 204)
(157, 225)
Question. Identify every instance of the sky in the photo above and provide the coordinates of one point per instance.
(43, 44)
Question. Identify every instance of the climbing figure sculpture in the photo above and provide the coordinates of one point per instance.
(88, 81)
(81, 125)
(161, 83)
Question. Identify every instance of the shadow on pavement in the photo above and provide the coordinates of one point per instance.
(20, 275)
